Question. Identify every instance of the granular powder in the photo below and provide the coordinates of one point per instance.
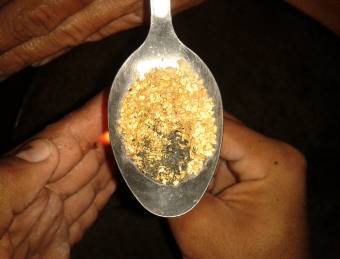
(167, 124)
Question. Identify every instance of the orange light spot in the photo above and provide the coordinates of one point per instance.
(105, 138)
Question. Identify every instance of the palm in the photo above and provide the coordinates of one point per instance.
(55, 202)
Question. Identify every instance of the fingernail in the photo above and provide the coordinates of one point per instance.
(35, 151)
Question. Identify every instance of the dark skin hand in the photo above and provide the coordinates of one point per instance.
(37, 31)
(52, 188)
(34, 32)
(255, 206)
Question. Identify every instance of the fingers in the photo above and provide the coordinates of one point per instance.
(252, 156)
(52, 155)
(77, 133)
(104, 195)
(70, 32)
(249, 154)
(36, 31)
(24, 175)
(48, 224)
(6, 251)
(80, 175)
(238, 140)
(78, 228)
(78, 203)
(82, 217)
(58, 247)
(127, 21)
(265, 204)
(24, 222)
(23, 20)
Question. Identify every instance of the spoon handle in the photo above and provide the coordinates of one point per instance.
(161, 21)
(160, 9)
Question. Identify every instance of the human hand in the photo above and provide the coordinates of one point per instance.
(36, 31)
(53, 188)
(255, 206)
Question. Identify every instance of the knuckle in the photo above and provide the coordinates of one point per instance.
(95, 186)
(295, 157)
(17, 29)
(40, 20)
(55, 204)
(73, 141)
(69, 35)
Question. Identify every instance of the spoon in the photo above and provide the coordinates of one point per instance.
(163, 49)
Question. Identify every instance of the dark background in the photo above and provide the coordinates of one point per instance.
(278, 71)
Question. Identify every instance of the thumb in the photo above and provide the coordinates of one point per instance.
(24, 174)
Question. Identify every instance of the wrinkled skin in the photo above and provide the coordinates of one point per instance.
(255, 206)
(46, 207)
(36, 31)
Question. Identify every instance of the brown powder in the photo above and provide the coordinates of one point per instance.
(167, 124)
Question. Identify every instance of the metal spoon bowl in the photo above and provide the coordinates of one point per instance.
(162, 48)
